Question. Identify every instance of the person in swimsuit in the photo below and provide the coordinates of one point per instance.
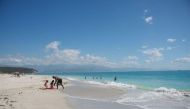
(45, 84)
(52, 84)
(58, 81)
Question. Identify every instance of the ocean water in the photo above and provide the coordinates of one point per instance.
(147, 80)
(140, 90)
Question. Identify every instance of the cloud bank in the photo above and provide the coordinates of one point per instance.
(73, 58)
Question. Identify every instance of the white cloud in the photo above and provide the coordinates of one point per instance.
(148, 19)
(72, 56)
(170, 48)
(53, 45)
(182, 63)
(20, 60)
(9, 59)
(15, 60)
(182, 60)
(57, 56)
(132, 58)
(71, 53)
(91, 59)
(155, 52)
(146, 10)
(130, 62)
(171, 40)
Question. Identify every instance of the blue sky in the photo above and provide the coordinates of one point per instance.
(116, 34)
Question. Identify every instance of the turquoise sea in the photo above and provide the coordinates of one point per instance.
(148, 80)
(139, 89)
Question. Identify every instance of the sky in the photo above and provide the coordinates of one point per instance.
(111, 34)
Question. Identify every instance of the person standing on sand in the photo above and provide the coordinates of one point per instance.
(58, 81)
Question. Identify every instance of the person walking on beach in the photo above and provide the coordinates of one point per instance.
(58, 81)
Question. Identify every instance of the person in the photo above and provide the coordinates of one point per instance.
(52, 84)
(115, 78)
(58, 81)
(17, 74)
(45, 84)
(100, 77)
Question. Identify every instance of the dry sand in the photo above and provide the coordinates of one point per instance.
(26, 93)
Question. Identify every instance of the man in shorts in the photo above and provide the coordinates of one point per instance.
(58, 81)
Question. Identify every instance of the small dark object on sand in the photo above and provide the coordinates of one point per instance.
(186, 95)
(5, 98)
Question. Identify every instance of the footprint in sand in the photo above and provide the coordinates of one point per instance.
(12, 101)
(2, 105)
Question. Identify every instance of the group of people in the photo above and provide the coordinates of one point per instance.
(18, 74)
(56, 81)
(115, 78)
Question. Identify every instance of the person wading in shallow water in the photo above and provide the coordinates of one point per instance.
(58, 81)
(115, 78)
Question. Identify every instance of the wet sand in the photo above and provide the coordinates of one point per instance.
(85, 95)
(82, 95)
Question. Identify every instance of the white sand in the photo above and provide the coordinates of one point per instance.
(25, 93)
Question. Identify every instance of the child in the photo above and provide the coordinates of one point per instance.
(52, 84)
(45, 84)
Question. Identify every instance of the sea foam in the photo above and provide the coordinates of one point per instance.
(158, 93)
(143, 97)
(171, 92)
(113, 84)
(121, 85)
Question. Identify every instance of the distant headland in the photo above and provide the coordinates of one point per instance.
(10, 70)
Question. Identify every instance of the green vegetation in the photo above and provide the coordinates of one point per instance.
(10, 70)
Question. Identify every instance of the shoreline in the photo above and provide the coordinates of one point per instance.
(119, 85)
(25, 93)
(144, 80)
(96, 96)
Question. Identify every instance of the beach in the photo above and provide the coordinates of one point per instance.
(25, 92)
(95, 54)
(83, 94)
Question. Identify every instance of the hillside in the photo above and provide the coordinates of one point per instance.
(17, 69)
